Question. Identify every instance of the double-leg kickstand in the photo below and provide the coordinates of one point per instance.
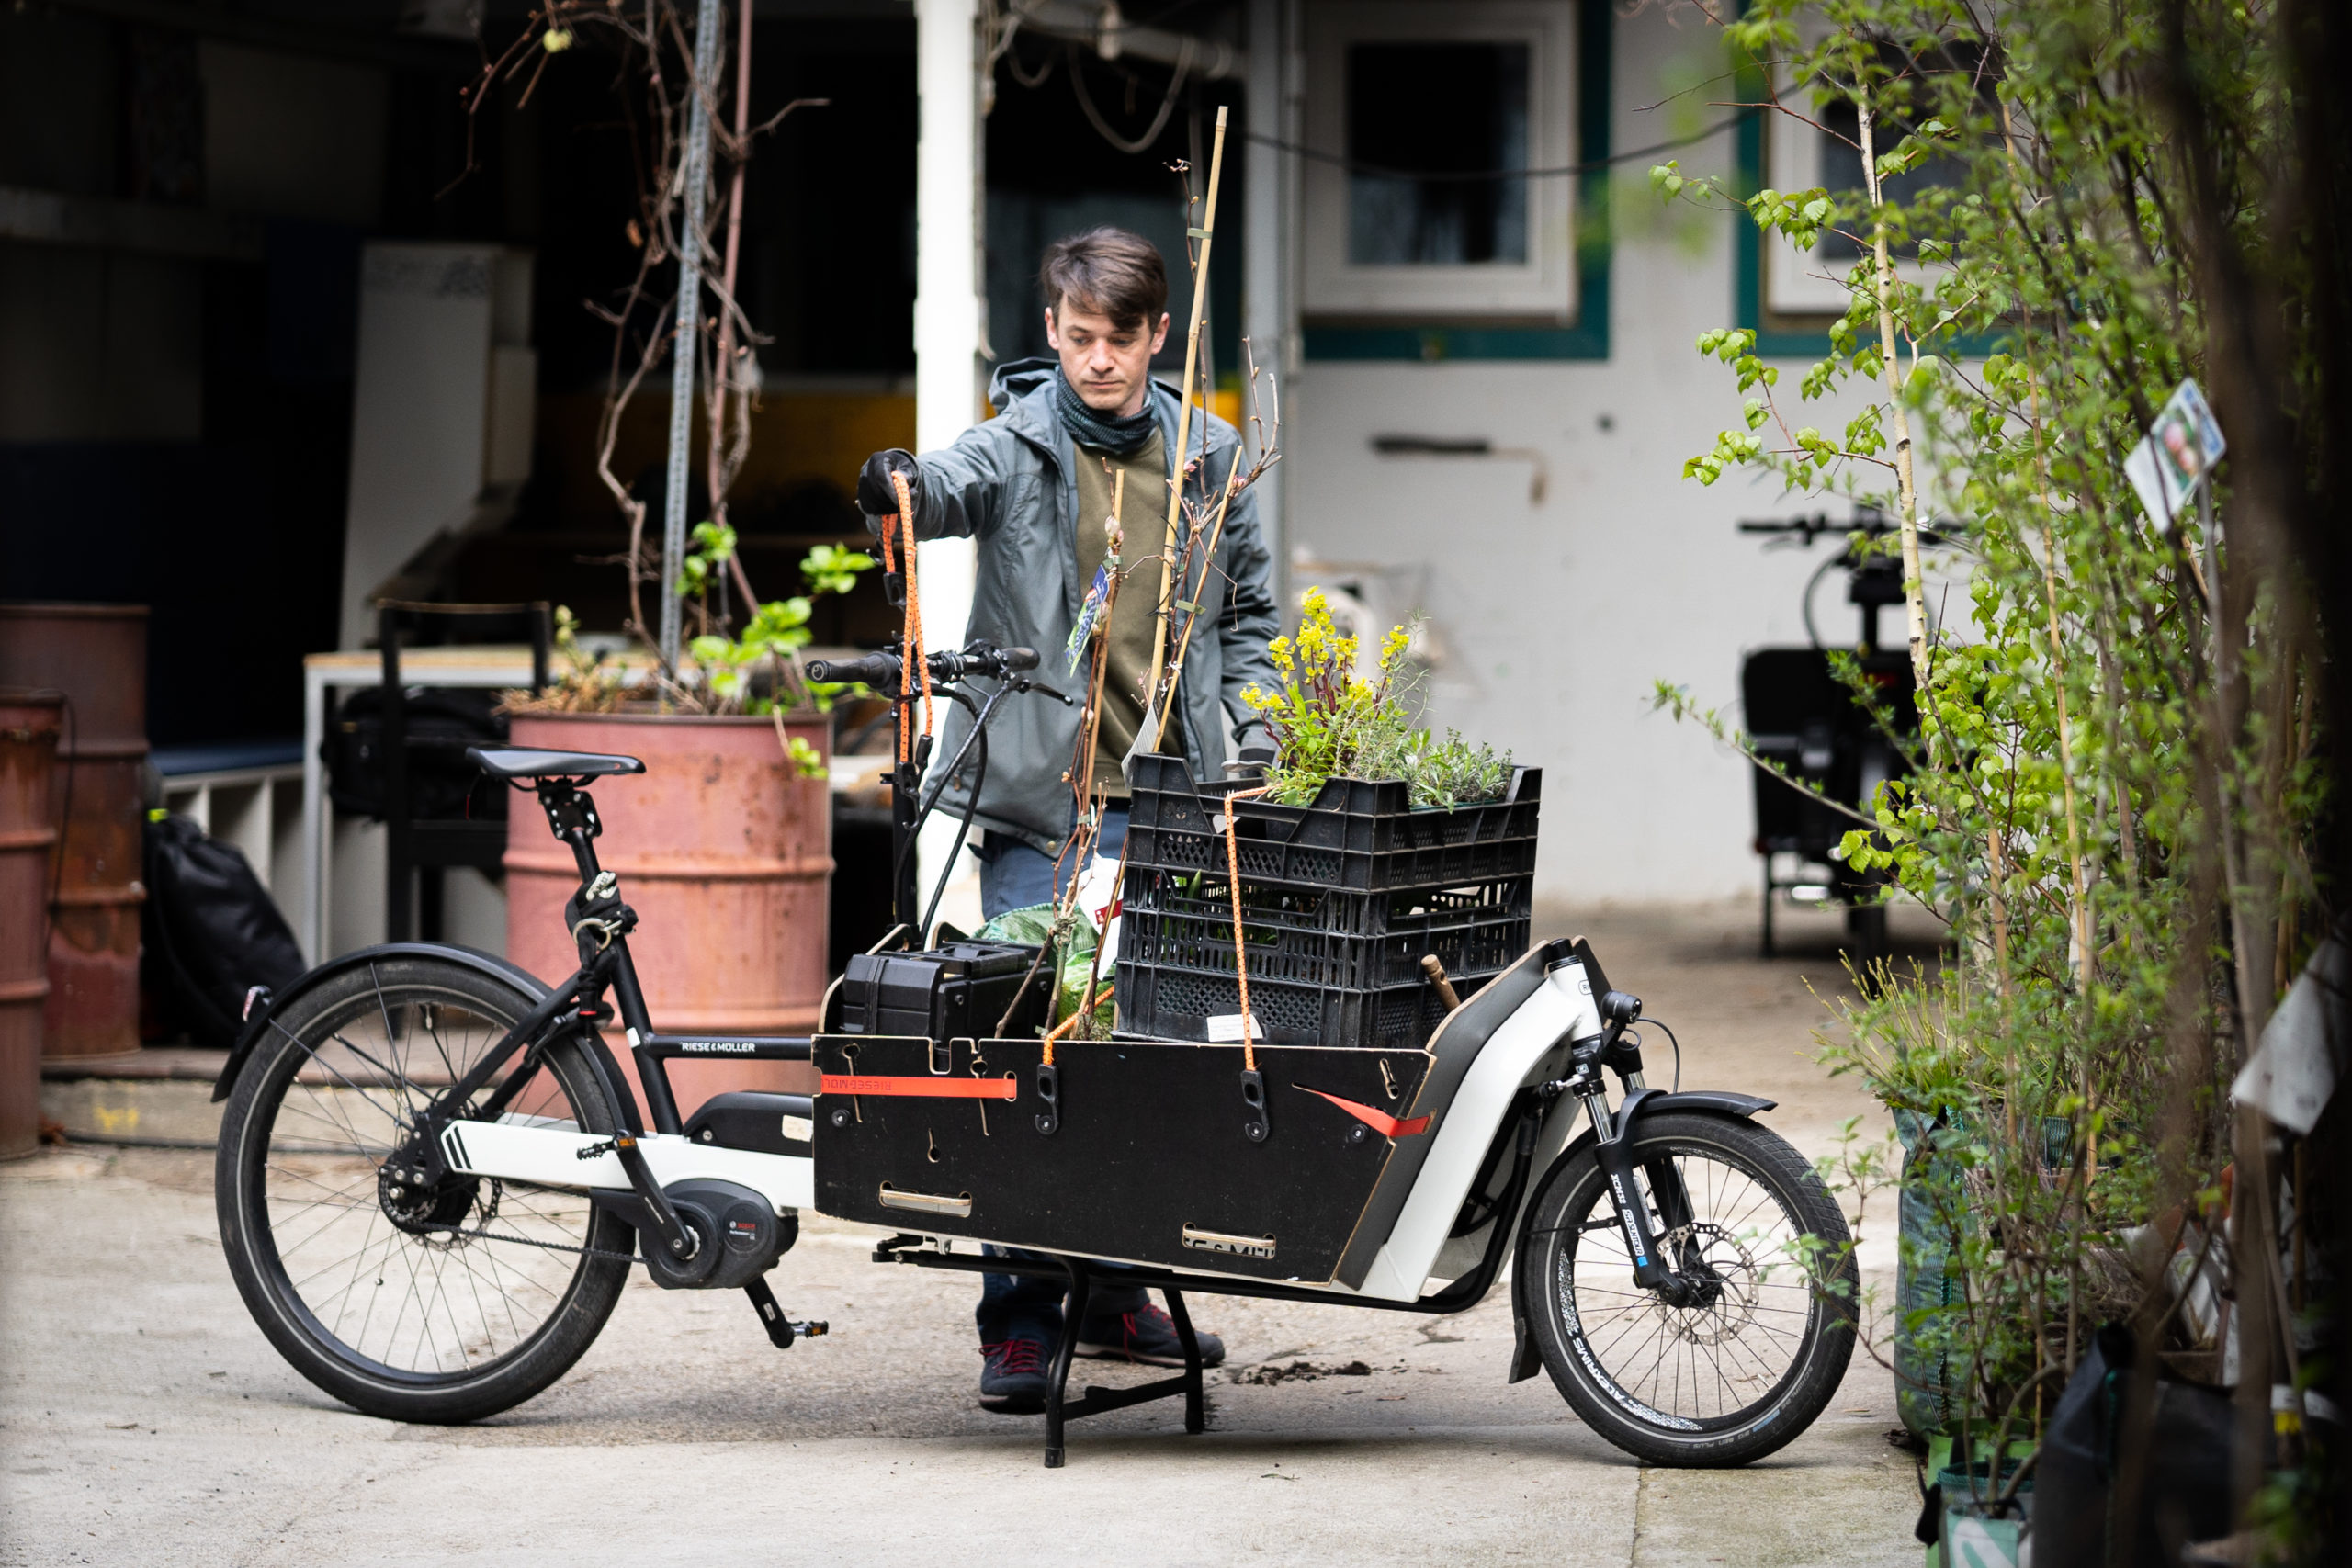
(1097, 1400)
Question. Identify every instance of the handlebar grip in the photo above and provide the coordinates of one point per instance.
(872, 669)
(1020, 659)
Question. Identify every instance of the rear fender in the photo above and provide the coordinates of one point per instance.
(258, 1026)
(1526, 1359)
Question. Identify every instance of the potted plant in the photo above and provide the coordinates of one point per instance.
(725, 845)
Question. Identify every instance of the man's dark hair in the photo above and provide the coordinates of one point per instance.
(1110, 272)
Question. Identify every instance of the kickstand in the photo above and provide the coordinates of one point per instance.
(782, 1330)
(1060, 1409)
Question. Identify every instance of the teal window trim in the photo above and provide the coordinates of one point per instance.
(1781, 339)
(1588, 338)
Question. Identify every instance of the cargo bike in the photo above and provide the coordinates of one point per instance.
(433, 1179)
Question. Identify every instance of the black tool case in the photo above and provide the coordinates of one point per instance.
(1149, 1159)
(960, 990)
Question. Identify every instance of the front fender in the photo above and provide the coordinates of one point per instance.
(1526, 1360)
(488, 963)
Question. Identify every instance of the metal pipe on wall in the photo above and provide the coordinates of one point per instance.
(683, 346)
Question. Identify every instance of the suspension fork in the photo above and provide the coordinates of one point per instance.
(1613, 1140)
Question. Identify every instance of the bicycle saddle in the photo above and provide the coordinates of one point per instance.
(502, 763)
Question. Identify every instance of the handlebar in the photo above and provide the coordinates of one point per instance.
(884, 669)
(1868, 521)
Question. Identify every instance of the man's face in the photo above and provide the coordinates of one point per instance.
(1109, 365)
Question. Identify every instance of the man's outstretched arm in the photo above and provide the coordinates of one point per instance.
(955, 490)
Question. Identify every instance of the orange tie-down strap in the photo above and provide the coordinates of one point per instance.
(922, 1089)
(1379, 1121)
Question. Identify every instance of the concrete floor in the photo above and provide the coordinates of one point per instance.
(144, 1419)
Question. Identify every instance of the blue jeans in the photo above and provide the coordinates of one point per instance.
(1014, 877)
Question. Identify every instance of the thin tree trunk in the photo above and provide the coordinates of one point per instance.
(1914, 603)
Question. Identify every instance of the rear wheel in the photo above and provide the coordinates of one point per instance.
(1756, 1348)
(445, 1304)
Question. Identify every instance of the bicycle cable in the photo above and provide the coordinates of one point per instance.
(1677, 1051)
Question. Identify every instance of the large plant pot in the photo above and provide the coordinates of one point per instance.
(724, 852)
(30, 722)
(97, 655)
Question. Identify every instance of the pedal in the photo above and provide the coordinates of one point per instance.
(782, 1330)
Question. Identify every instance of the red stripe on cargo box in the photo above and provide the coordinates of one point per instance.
(922, 1089)
(1379, 1121)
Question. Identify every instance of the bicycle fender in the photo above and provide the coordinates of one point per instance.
(1526, 1359)
(488, 964)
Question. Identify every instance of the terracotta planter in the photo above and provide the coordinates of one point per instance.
(726, 854)
(97, 655)
(30, 723)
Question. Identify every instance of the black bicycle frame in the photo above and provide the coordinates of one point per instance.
(572, 1010)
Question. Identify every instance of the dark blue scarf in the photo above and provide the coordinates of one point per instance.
(1104, 433)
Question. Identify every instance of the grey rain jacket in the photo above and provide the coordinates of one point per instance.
(1011, 485)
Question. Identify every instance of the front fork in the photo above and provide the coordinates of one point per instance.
(1653, 1270)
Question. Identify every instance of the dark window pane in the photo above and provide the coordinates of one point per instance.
(1432, 110)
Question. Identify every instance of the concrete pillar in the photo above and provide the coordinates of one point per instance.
(950, 374)
(1269, 302)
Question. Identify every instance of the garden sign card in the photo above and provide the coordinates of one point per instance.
(2178, 451)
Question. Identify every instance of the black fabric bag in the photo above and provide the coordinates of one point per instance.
(2184, 1496)
(442, 723)
(210, 932)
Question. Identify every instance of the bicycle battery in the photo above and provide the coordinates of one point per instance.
(959, 992)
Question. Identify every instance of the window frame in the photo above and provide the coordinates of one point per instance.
(1546, 287)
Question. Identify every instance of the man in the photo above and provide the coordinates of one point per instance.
(1034, 487)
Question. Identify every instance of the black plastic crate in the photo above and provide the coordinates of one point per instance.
(1292, 907)
(1169, 1002)
(1204, 946)
(1358, 835)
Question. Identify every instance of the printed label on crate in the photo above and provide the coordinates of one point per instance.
(1225, 1027)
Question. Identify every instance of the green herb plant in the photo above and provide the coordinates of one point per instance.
(1328, 721)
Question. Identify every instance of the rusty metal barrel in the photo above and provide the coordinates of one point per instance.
(726, 854)
(30, 722)
(97, 655)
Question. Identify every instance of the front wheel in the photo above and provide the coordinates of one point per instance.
(441, 1304)
(1755, 1349)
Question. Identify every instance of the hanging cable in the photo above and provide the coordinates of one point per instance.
(1158, 121)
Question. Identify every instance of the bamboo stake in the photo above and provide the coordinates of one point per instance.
(1149, 734)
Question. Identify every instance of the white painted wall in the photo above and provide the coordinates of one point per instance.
(1562, 615)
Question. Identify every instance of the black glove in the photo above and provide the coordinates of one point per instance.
(877, 497)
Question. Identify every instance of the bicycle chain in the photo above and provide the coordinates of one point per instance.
(456, 1234)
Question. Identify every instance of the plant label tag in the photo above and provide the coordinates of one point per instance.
(1224, 1029)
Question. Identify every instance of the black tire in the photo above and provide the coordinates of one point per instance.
(1732, 1379)
(430, 1307)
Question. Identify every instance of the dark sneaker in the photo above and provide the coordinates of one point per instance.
(1012, 1382)
(1145, 1335)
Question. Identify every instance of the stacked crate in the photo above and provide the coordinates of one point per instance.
(1339, 901)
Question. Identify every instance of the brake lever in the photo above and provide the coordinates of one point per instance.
(1023, 684)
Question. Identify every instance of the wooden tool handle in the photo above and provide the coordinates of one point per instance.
(1436, 972)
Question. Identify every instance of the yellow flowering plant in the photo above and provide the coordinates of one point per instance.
(1327, 720)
